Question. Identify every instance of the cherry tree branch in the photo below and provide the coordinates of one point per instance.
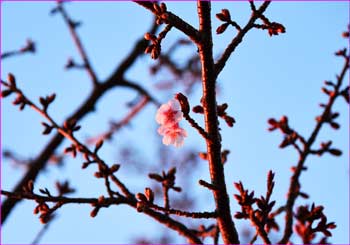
(220, 64)
(293, 191)
(104, 171)
(173, 20)
(205, 47)
(87, 106)
(72, 26)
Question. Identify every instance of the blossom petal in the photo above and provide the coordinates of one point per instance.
(168, 116)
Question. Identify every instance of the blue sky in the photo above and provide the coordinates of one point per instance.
(266, 77)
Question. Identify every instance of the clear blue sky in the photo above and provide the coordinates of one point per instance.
(266, 77)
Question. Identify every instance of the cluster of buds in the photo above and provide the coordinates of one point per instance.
(224, 156)
(105, 171)
(290, 136)
(64, 188)
(46, 214)
(45, 102)
(162, 16)
(72, 149)
(11, 86)
(326, 147)
(101, 202)
(210, 231)
(273, 28)
(221, 110)
(155, 48)
(160, 11)
(260, 216)
(222, 113)
(144, 200)
(168, 116)
(225, 17)
(167, 179)
(307, 218)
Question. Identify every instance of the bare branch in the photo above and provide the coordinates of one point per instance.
(225, 222)
(220, 64)
(72, 26)
(293, 191)
(86, 107)
(174, 20)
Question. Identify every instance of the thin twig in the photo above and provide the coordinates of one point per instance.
(220, 64)
(166, 197)
(65, 200)
(41, 233)
(28, 48)
(254, 238)
(195, 125)
(195, 215)
(116, 126)
(173, 20)
(78, 43)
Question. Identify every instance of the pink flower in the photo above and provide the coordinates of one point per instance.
(173, 135)
(169, 113)
(169, 116)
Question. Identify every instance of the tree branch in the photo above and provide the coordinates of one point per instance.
(72, 29)
(173, 20)
(225, 222)
(293, 191)
(104, 171)
(86, 107)
(220, 64)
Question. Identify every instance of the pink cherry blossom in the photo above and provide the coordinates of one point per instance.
(169, 113)
(168, 116)
(173, 135)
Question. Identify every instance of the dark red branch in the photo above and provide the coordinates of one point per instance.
(205, 47)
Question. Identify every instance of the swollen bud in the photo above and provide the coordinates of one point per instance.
(11, 78)
(185, 107)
